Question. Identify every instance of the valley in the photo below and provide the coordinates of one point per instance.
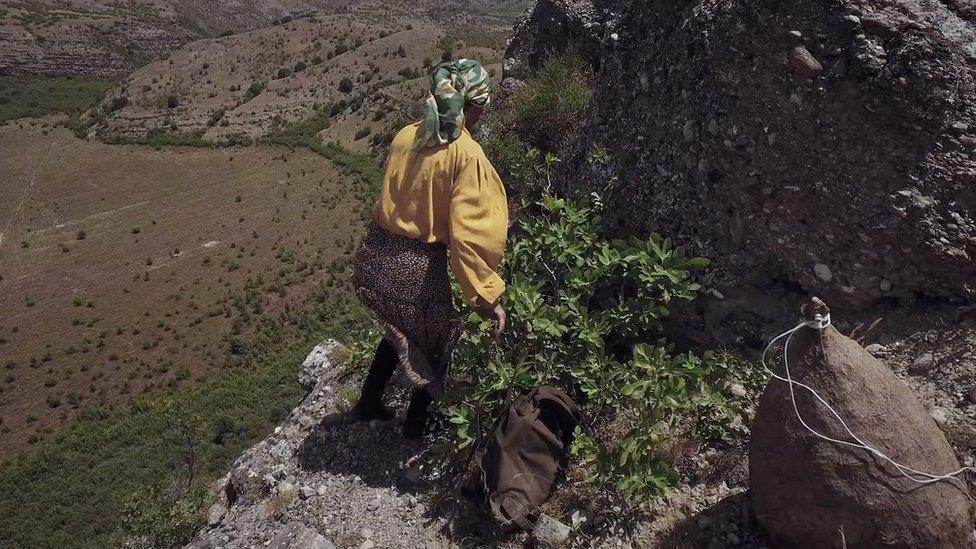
(157, 222)
(127, 270)
(182, 185)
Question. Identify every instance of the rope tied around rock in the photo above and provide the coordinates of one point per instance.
(820, 322)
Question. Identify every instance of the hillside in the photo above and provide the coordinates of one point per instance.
(358, 76)
(139, 280)
(104, 38)
(97, 38)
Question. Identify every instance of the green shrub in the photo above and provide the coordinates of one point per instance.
(345, 85)
(586, 314)
(549, 108)
(284, 72)
(172, 102)
(362, 132)
(163, 521)
(356, 103)
(253, 90)
(34, 96)
(337, 108)
(216, 116)
(119, 102)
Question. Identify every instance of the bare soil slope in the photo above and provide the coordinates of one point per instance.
(102, 38)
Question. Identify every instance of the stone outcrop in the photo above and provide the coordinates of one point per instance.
(317, 481)
(822, 146)
(554, 26)
(810, 492)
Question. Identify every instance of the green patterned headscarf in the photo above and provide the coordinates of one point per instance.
(453, 85)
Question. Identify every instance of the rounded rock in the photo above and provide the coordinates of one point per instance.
(823, 272)
(804, 63)
(549, 533)
(941, 416)
(923, 364)
(802, 487)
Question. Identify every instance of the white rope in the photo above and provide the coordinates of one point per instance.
(822, 322)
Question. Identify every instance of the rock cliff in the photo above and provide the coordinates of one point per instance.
(826, 146)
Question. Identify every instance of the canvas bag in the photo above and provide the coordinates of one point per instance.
(526, 452)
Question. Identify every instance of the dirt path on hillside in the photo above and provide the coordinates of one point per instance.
(29, 184)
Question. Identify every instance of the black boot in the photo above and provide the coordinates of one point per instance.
(370, 406)
(413, 426)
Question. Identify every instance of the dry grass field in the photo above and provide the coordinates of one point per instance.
(125, 271)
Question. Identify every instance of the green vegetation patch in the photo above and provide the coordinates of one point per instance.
(549, 108)
(305, 134)
(587, 313)
(71, 493)
(146, 470)
(34, 96)
(162, 137)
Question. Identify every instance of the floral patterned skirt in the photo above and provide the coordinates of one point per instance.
(406, 283)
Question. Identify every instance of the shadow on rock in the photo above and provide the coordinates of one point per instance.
(727, 523)
(379, 455)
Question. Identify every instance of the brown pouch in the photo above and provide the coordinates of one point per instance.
(526, 452)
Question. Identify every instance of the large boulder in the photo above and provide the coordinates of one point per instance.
(809, 492)
(805, 146)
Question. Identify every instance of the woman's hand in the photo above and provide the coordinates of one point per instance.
(498, 313)
(500, 316)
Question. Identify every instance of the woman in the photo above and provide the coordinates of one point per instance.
(440, 197)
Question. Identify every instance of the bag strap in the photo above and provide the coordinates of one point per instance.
(505, 508)
(480, 435)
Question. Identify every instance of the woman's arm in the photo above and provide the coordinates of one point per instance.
(479, 229)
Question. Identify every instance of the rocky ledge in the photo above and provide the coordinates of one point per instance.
(317, 483)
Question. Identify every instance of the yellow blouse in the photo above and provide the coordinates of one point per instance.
(452, 195)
